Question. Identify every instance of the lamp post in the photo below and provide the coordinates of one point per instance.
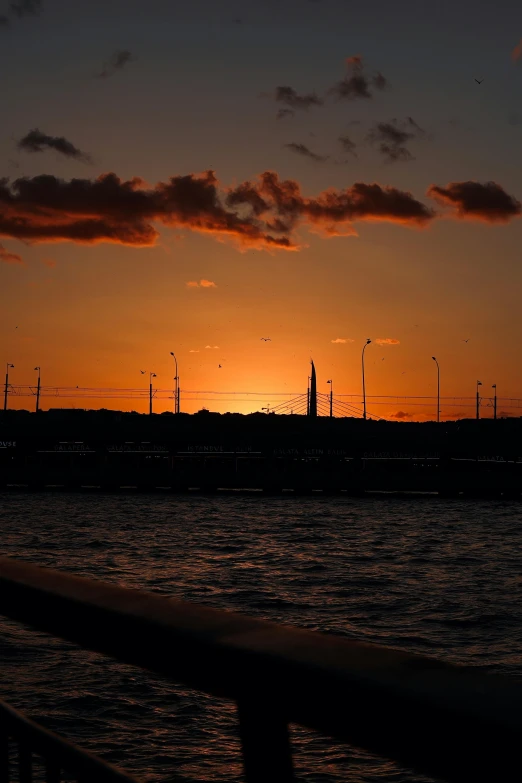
(368, 341)
(331, 396)
(38, 391)
(151, 376)
(495, 402)
(479, 383)
(7, 383)
(438, 388)
(176, 389)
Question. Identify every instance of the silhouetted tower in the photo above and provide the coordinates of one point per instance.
(313, 393)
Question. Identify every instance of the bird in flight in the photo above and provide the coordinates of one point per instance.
(466, 341)
(266, 339)
(479, 82)
(219, 366)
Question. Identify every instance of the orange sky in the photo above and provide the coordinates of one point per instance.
(428, 264)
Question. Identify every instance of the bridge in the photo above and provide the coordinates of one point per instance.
(452, 723)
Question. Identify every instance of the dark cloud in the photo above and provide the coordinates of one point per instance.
(351, 88)
(282, 113)
(118, 61)
(36, 141)
(348, 145)
(25, 7)
(332, 211)
(260, 214)
(9, 258)
(516, 54)
(401, 415)
(487, 201)
(108, 209)
(356, 84)
(391, 138)
(291, 98)
(514, 118)
(4, 21)
(306, 152)
(379, 81)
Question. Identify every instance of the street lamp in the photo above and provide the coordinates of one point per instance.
(479, 383)
(151, 376)
(266, 409)
(7, 383)
(495, 402)
(331, 397)
(438, 388)
(368, 341)
(38, 390)
(176, 390)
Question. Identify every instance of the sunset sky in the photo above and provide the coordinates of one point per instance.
(315, 172)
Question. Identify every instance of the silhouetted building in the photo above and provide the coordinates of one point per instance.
(312, 408)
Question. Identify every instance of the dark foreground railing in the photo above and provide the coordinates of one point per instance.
(58, 755)
(449, 722)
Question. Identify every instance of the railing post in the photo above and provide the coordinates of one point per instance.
(265, 742)
(25, 764)
(4, 754)
(52, 773)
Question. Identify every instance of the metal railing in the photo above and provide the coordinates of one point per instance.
(58, 754)
(442, 720)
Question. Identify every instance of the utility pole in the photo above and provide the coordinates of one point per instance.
(6, 391)
(308, 397)
(479, 383)
(495, 402)
(176, 388)
(151, 376)
(38, 391)
(331, 397)
(438, 388)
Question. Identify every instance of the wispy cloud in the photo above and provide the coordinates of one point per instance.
(282, 113)
(36, 141)
(193, 351)
(348, 145)
(357, 84)
(387, 341)
(306, 152)
(9, 258)
(116, 62)
(212, 347)
(487, 201)
(49, 262)
(516, 54)
(291, 98)
(22, 8)
(392, 137)
(19, 9)
(342, 340)
(201, 284)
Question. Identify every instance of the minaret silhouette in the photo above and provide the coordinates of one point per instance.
(313, 393)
